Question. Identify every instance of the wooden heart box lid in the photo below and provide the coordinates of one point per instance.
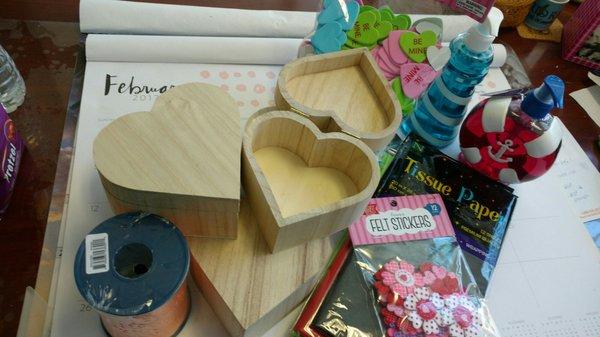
(181, 160)
(342, 91)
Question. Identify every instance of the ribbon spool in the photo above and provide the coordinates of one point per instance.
(132, 269)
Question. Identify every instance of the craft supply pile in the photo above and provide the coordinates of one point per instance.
(352, 146)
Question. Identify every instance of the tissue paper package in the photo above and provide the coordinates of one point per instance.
(480, 208)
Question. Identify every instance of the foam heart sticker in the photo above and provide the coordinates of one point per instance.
(387, 62)
(438, 57)
(415, 45)
(392, 46)
(386, 13)
(400, 22)
(328, 38)
(406, 102)
(332, 11)
(364, 31)
(351, 44)
(384, 28)
(366, 8)
(348, 22)
(416, 78)
(434, 24)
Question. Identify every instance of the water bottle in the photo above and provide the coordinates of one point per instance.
(440, 110)
(12, 86)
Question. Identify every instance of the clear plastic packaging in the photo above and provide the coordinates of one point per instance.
(405, 276)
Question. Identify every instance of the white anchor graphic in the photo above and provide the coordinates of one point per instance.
(503, 148)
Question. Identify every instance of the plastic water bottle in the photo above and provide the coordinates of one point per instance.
(440, 109)
(12, 86)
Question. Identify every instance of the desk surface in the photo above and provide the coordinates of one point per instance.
(45, 54)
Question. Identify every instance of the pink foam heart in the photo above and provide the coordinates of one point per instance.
(384, 57)
(375, 51)
(389, 73)
(389, 76)
(392, 47)
(416, 77)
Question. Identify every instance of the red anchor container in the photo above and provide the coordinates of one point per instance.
(512, 137)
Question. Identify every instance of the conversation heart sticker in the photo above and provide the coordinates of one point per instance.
(385, 61)
(438, 57)
(332, 11)
(406, 103)
(384, 28)
(375, 52)
(415, 45)
(386, 13)
(416, 77)
(400, 22)
(433, 24)
(392, 46)
(364, 31)
(351, 44)
(367, 8)
(386, 72)
(327, 38)
(347, 22)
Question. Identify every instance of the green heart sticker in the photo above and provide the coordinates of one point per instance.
(407, 104)
(386, 14)
(415, 45)
(364, 31)
(401, 22)
(351, 44)
(366, 8)
(384, 28)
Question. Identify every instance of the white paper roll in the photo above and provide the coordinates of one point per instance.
(125, 17)
(190, 49)
(145, 32)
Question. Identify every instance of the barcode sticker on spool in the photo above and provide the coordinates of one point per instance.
(96, 253)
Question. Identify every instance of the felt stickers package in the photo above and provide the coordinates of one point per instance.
(403, 274)
(420, 283)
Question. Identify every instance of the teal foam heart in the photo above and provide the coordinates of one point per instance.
(328, 38)
(348, 22)
(331, 12)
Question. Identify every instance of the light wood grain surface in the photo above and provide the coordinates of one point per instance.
(302, 183)
(297, 187)
(343, 91)
(181, 160)
(249, 288)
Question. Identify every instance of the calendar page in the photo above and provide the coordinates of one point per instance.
(545, 283)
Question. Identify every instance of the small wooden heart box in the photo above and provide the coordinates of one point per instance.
(311, 171)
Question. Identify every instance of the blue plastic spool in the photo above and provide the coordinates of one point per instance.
(148, 259)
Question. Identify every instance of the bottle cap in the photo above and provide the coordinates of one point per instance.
(540, 101)
(481, 36)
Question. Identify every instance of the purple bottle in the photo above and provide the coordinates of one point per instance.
(11, 145)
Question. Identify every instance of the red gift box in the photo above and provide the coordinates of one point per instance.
(579, 30)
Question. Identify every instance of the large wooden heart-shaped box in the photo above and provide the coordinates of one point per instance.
(180, 160)
(311, 171)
